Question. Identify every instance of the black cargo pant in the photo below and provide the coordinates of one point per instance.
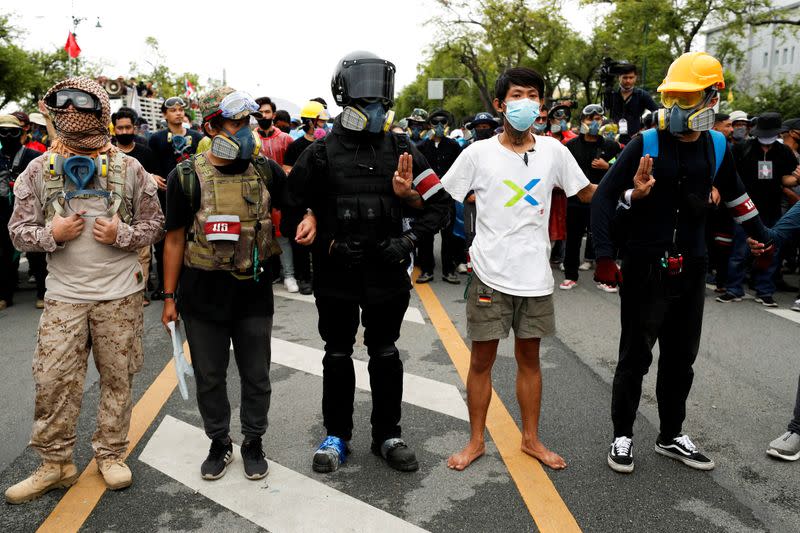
(8, 271)
(210, 344)
(452, 249)
(667, 309)
(578, 225)
(338, 324)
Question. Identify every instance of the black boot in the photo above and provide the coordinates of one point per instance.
(397, 453)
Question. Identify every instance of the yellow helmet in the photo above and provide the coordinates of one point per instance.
(693, 71)
(314, 110)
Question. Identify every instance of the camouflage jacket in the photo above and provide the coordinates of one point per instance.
(30, 233)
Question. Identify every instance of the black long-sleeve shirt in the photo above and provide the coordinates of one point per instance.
(631, 110)
(683, 173)
(308, 186)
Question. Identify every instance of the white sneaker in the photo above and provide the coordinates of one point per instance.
(291, 285)
(606, 288)
(461, 268)
(568, 284)
(796, 305)
(586, 265)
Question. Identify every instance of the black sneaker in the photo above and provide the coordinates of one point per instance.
(219, 457)
(425, 277)
(728, 298)
(620, 455)
(305, 287)
(397, 453)
(255, 464)
(766, 301)
(682, 449)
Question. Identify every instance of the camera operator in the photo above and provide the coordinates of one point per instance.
(628, 102)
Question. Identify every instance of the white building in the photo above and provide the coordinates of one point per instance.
(767, 57)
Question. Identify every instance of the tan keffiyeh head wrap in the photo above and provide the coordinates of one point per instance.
(80, 131)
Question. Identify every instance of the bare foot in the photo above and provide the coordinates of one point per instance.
(464, 458)
(538, 451)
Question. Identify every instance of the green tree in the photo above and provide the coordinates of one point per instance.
(17, 74)
(782, 97)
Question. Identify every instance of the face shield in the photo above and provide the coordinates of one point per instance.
(366, 79)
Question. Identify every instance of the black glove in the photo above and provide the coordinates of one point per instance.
(347, 252)
(397, 249)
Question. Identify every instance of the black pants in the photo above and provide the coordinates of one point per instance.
(655, 306)
(452, 250)
(301, 258)
(794, 425)
(8, 270)
(209, 343)
(338, 324)
(37, 263)
(578, 225)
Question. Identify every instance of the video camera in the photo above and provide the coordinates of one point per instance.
(609, 71)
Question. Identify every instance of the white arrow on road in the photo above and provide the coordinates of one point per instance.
(284, 501)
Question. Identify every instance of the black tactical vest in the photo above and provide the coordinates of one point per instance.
(361, 206)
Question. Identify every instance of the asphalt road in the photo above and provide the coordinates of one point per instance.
(746, 375)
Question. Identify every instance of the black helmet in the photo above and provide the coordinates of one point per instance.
(363, 75)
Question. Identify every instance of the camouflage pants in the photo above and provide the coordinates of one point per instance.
(144, 261)
(113, 330)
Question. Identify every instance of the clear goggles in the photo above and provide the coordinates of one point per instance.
(683, 100)
(236, 103)
(80, 100)
(174, 101)
(593, 109)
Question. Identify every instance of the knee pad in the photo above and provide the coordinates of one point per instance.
(386, 351)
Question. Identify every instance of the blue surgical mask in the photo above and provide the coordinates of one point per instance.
(539, 127)
(521, 113)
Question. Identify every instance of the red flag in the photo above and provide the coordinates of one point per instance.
(72, 47)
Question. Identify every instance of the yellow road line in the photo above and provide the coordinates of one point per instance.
(537, 490)
(81, 499)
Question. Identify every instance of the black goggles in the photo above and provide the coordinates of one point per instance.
(80, 100)
(10, 133)
(435, 121)
(593, 109)
(173, 101)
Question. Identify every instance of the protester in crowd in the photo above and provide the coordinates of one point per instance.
(513, 176)
(766, 166)
(225, 296)
(362, 182)
(558, 118)
(790, 133)
(282, 121)
(314, 116)
(86, 306)
(664, 176)
(440, 151)
(170, 146)
(594, 156)
(418, 126)
(14, 159)
(628, 103)
(125, 139)
(741, 127)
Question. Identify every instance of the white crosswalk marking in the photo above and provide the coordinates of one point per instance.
(417, 390)
(412, 313)
(788, 314)
(284, 501)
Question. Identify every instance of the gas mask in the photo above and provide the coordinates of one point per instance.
(244, 144)
(439, 130)
(593, 128)
(373, 117)
(679, 118)
(558, 128)
(81, 170)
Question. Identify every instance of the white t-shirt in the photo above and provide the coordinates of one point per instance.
(511, 249)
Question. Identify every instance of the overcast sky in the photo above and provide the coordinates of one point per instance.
(283, 49)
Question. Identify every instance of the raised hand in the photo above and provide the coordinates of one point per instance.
(643, 180)
(403, 176)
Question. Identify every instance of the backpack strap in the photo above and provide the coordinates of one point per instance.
(650, 143)
(187, 179)
(720, 144)
(262, 168)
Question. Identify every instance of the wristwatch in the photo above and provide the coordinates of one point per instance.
(168, 295)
